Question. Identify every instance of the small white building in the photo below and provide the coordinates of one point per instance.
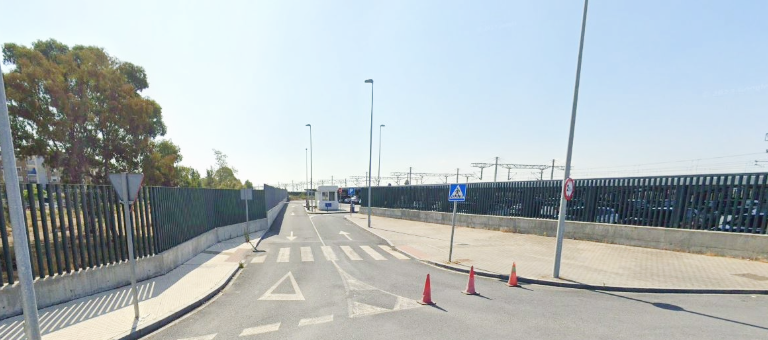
(327, 198)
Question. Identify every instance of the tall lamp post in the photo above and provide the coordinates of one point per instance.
(306, 177)
(378, 176)
(563, 201)
(370, 154)
(311, 159)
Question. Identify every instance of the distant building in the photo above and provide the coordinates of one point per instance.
(33, 170)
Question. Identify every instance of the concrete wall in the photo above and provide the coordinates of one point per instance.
(69, 286)
(693, 241)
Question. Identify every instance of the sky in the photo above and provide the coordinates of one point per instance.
(667, 87)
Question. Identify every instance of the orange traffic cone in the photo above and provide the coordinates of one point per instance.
(471, 283)
(427, 296)
(513, 277)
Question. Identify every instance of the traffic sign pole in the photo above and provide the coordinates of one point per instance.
(563, 201)
(453, 229)
(129, 235)
(456, 193)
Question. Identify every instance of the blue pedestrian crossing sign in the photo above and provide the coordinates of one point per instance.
(457, 193)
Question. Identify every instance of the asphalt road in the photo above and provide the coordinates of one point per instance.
(352, 288)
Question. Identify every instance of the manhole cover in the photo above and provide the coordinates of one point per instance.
(753, 277)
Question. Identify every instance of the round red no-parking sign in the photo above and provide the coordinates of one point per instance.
(569, 188)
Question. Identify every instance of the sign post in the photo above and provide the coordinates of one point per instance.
(456, 193)
(127, 187)
(246, 195)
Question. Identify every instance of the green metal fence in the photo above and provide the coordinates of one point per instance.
(721, 202)
(73, 227)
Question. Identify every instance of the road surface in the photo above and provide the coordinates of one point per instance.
(322, 277)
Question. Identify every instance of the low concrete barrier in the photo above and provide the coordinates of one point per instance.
(69, 286)
(740, 245)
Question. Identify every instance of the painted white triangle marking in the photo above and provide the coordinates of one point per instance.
(296, 296)
(360, 309)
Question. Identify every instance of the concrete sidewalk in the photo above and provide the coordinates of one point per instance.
(583, 262)
(109, 315)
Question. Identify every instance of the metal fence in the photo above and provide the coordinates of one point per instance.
(722, 202)
(73, 227)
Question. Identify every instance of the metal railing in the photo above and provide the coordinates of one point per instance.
(73, 227)
(721, 202)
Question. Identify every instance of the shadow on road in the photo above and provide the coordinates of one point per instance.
(277, 225)
(675, 308)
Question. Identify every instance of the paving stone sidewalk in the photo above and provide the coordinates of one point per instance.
(109, 315)
(583, 262)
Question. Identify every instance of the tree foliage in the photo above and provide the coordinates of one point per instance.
(221, 175)
(82, 110)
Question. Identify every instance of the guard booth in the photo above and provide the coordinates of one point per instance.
(327, 198)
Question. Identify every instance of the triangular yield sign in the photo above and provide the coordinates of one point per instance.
(296, 296)
(457, 194)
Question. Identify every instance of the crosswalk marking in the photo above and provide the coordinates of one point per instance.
(306, 254)
(315, 321)
(396, 254)
(350, 253)
(328, 253)
(259, 258)
(261, 329)
(376, 256)
(284, 255)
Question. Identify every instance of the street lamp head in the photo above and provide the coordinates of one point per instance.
(369, 81)
(382, 125)
(310, 125)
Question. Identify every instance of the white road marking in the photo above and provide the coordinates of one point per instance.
(296, 296)
(315, 321)
(306, 254)
(291, 238)
(318, 233)
(396, 254)
(376, 256)
(328, 253)
(346, 234)
(350, 253)
(261, 329)
(284, 255)
(202, 337)
(259, 258)
(353, 287)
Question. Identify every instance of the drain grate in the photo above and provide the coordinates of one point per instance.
(752, 277)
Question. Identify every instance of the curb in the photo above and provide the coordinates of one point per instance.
(573, 285)
(151, 328)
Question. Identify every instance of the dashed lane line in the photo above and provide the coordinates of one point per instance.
(261, 329)
(315, 321)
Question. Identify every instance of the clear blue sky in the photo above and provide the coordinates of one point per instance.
(456, 81)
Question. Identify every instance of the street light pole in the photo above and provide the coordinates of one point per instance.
(311, 159)
(370, 155)
(18, 226)
(563, 201)
(378, 176)
(306, 177)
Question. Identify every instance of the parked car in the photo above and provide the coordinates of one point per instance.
(753, 220)
(606, 215)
